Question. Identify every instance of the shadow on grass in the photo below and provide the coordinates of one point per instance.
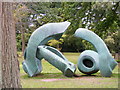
(45, 75)
(60, 75)
(116, 75)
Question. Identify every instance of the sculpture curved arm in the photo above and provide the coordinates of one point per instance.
(106, 62)
(44, 33)
(40, 37)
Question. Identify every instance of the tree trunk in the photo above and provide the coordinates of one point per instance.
(117, 56)
(0, 49)
(8, 51)
(23, 39)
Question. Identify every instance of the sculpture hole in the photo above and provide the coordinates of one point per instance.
(88, 63)
(69, 64)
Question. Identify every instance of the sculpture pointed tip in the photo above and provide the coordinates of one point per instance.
(68, 22)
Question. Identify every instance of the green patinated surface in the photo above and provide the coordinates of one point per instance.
(89, 61)
(35, 50)
(106, 62)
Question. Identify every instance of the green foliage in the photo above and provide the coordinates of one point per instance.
(118, 61)
(72, 44)
(101, 17)
(19, 41)
(113, 42)
(110, 15)
(55, 43)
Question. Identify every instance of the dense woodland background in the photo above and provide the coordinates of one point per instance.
(101, 17)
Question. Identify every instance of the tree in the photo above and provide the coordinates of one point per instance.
(43, 13)
(113, 43)
(21, 14)
(74, 12)
(95, 16)
(8, 52)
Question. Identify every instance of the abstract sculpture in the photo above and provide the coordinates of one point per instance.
(89, 61)
(54, 57)
(100, 60)
(36, 50)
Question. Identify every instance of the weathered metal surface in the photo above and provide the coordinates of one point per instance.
(106, 61)
(54, 57)
(39, 37)
(89, 61)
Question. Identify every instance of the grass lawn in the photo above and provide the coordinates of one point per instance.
(51, 77)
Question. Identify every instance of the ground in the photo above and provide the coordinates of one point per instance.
(51, 77)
